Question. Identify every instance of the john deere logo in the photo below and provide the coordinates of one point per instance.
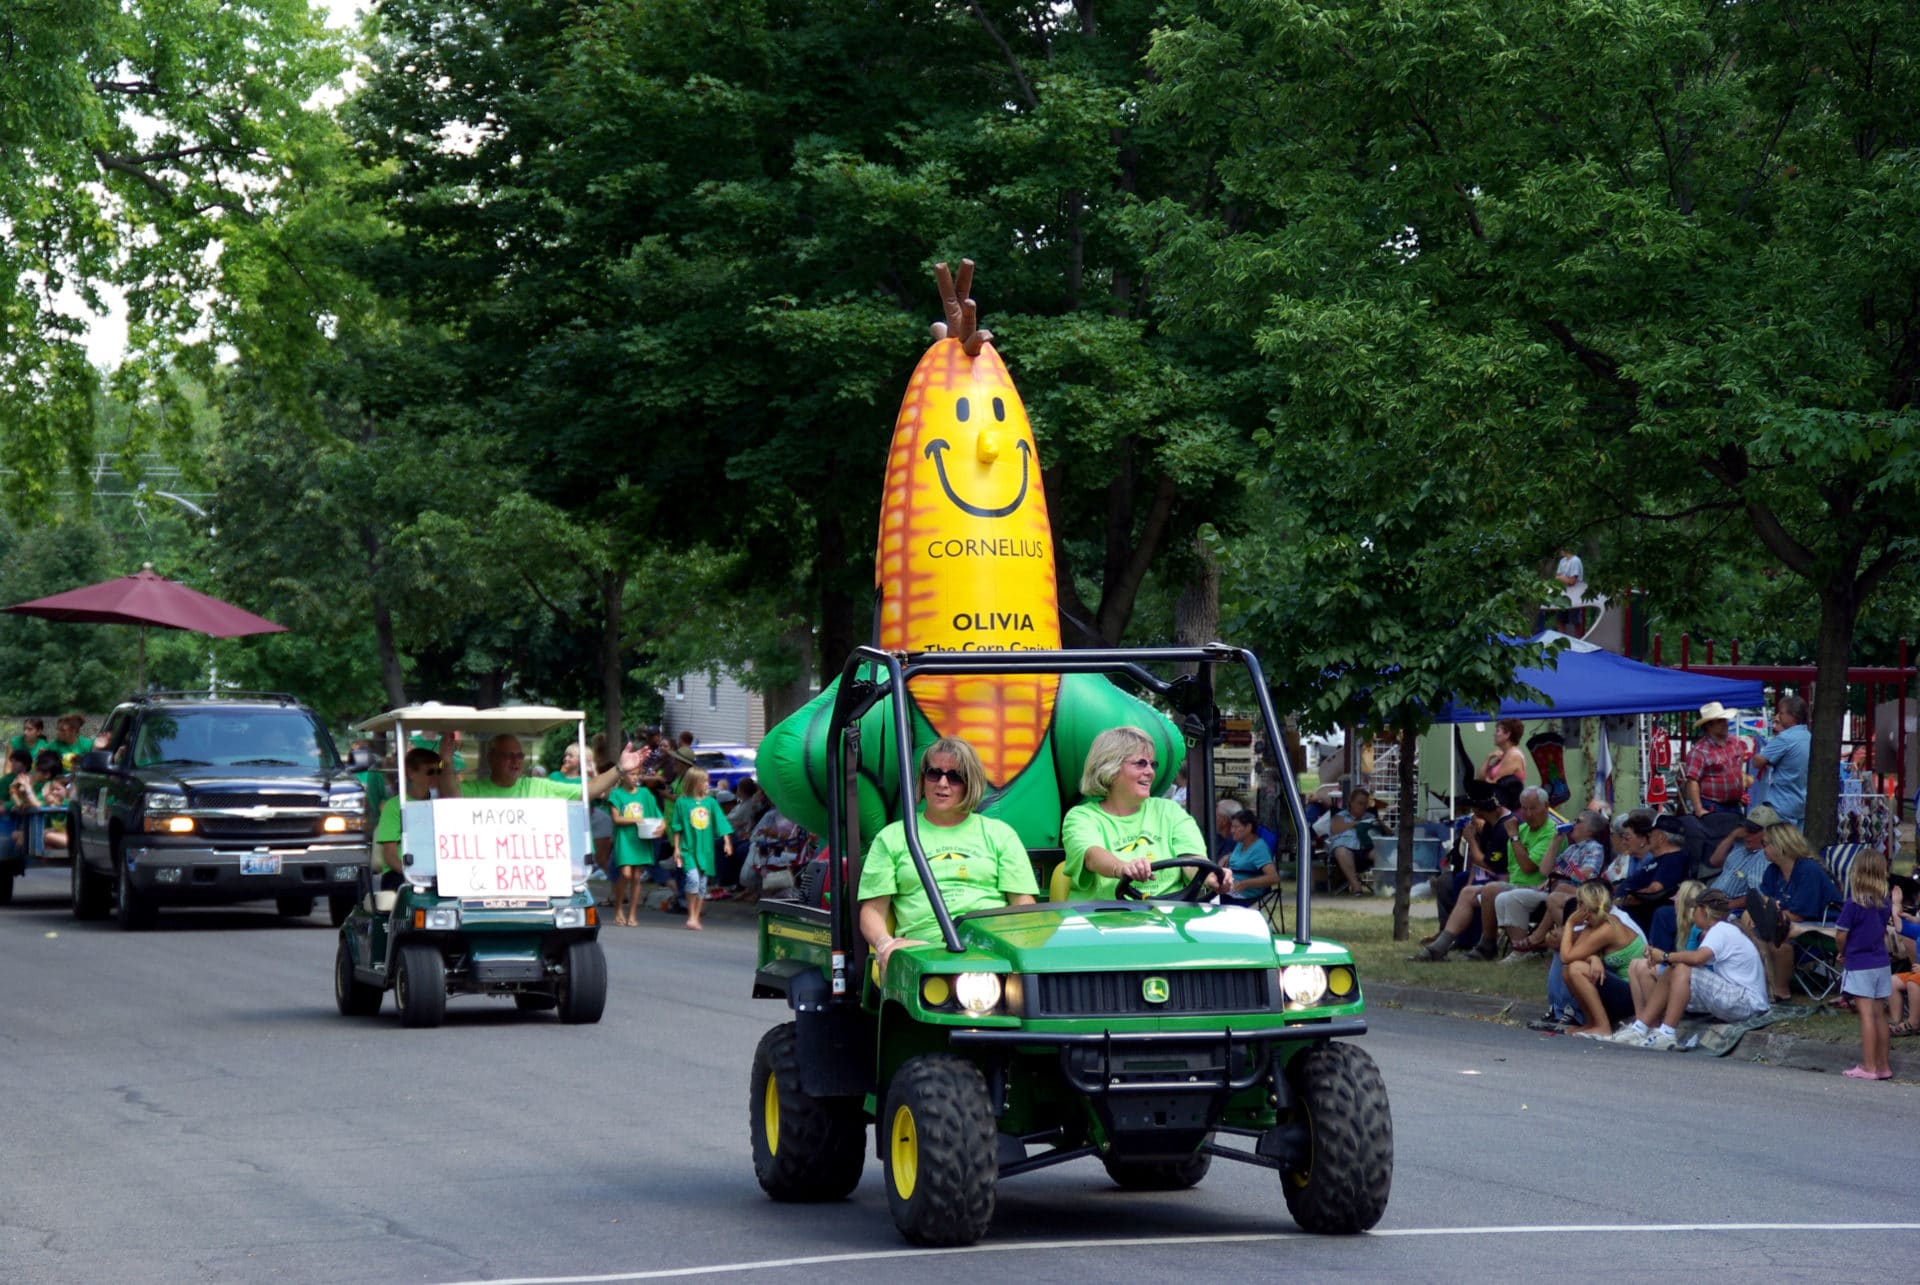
(1154, 990)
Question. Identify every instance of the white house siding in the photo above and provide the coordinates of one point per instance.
(723, 712)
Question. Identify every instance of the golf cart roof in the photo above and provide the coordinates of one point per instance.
(434, 717)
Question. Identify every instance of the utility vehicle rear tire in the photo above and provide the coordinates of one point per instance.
(1343, 1184)
(1159, 1175)
(583, 987)
(355, 998)
(939, 1150)
(294, 907)
(92, 895)
(420, 987)
(804, 1148)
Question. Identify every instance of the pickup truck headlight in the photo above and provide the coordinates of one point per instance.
(160, 801)
(167, 825)
(1304, 985)
(977, 993)
(351, 804)
(342, 824)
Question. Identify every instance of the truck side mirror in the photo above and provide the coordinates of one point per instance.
(96, 761)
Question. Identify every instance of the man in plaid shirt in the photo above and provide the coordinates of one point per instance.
(1716, 764)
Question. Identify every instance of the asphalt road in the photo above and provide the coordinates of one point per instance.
(186, 1105)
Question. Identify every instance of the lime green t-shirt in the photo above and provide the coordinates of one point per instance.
(19, 742)
(79, 745)
(386, 829)
(374, 782)
(978, 864)
(629, 849)
(1538, 843)
(699, 823)
(527, 787)
(1159, 831)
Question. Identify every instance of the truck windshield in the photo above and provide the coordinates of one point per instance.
(230, 738)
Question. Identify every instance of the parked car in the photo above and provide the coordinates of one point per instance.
(206, 800)
(725, 765)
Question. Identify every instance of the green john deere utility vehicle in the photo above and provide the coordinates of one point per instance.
(1153, 1035)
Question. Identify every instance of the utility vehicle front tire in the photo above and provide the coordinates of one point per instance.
(583, 987)
(940, 1151)
(1343, 1184)
(420, 986)
(804, 1148)
(1159, 1175)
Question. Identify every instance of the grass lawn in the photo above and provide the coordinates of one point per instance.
(1369, 934)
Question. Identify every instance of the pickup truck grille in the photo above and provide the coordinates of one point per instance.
(246, 828)
(1211, 990)
(254, 800)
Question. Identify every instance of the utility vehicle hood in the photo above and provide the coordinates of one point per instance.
(1158, 934)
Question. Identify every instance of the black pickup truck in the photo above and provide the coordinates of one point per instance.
(202, 800)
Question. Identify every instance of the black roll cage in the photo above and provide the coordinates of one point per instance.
(870, 675)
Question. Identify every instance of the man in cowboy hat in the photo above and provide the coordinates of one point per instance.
(1716, 763)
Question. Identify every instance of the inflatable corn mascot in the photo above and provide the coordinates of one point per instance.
(965, 562)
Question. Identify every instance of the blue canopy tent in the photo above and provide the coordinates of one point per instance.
(1593, 683)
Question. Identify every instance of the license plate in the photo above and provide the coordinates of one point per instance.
(258, 865)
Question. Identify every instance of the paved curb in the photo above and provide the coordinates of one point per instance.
(1770, 1047)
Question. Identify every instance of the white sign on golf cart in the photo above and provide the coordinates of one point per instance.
(502, 848)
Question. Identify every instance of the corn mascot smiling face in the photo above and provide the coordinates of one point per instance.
(964, 562)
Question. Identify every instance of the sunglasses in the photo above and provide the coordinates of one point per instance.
(428, 771)
(948, 774)
(1140, 765)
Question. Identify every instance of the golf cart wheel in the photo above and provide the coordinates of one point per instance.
(92, 895)
(1159, 1175)
(939, 1151)
(338, 908)
(420, 986)
(1342, 1187)
(355, 997)
(583, 987)
(294, 907)
(804, 1148)
(533, 1001)
(131, 911)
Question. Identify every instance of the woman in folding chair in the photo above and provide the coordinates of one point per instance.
(1796, 889)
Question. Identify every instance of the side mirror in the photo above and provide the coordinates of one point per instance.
(360, 761)
(96, 761)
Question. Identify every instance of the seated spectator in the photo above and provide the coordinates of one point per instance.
(1796, 889)
(1653, 884)
(1741, 857)
(67, 741)
(1526, 872)
(31, 791)
(1350, 838)
(1721, 977)
(1596, 946)
(1254, 872)
(1489, 836)
(1642, 974)
(32, 736)
(19, 763)
(1574, 858)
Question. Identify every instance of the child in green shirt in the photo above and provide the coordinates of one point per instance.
(697, 823)
(632, 803)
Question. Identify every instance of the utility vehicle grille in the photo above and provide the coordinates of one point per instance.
(1213, 990)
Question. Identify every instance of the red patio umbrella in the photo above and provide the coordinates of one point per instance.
(147, 599)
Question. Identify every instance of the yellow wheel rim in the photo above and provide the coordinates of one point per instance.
(906, 1153)
(770, 1112)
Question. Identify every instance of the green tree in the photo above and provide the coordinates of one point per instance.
(141, 139)
(1659, 245)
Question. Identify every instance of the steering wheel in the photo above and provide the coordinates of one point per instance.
(1196, 886)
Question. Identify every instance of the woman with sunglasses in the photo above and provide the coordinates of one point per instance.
(427, 777)
(978, 861)
(1122, 830)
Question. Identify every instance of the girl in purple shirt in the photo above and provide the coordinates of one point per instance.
(1867, 974)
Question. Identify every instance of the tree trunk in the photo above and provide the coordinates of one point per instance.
(1838, 606)
(391, 677)
(839, 631)
(788, 697)
(613, 670)
(1196, 612)
(1403, 842)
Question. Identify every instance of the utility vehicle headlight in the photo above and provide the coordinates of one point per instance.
(570, 917)
(1303, 984)
(438, 919)
(978, 993)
